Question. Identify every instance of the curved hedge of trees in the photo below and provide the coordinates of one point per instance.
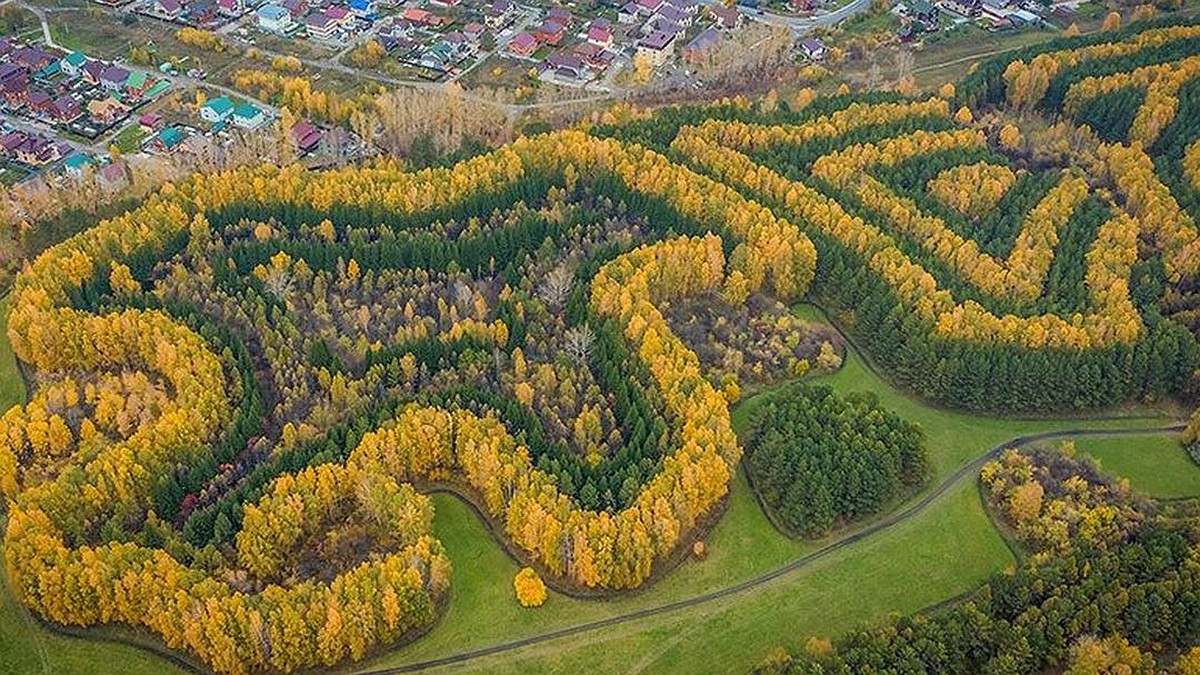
(819, 460)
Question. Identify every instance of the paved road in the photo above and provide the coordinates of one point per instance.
(968, 471)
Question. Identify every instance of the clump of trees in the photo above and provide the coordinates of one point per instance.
(820, 460)
(1113, 589)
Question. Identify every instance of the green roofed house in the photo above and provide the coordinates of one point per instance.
(73, 63)
(168, 139)
(76, 163)
(138, 83)
(216, 110)
(249, 116)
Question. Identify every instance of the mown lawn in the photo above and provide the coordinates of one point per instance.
(1156, 466)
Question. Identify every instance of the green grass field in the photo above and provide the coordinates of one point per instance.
(1156, 466)
(945, 550)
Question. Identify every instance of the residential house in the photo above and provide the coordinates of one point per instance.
(321, 26)
(14, 84)
(32, 58)
(65, 109)
(249, 116)
(167, 140)
(39, 150)
(551, 32)
(72, 64)
(967, 8)
(672, 14)
(459, 45)
(113, 177)
(925, 13)
(727, 18)
(40, 102)
(170, 9)
(648, 7)
(567, 68)
(595, 57)
(561, 15)
(343, 17)
(601, 36)
(498, 14)
(690, 7)
(76, 165)
(418, 17)
(523, 44)
(216, 110)
(656, 48)
(113, 78)
(10, 141)
(364, 9)
(701, 46)
(306, 136)
(231, 8)
(474, 31)
(297, 8)
(813, 49)
(138, 84)
(629, 13)
(150, 122)
(92, 70)
(202, 11)
(275, 19)
(105, 111)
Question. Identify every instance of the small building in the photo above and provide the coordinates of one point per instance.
(656, 48)
(813, 49)
(674, 15)
(216, 110)
(202, 11)
(231, 8)
(249, 116)
(297, 8)
(275, 19)
(561, 15)
(629, 13)
(32, 58)
(523, 44)
(474, 31)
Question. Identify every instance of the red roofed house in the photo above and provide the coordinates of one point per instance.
(306, 136)
(523, 44)
(600, 36)
(66, 109)
(551, 32)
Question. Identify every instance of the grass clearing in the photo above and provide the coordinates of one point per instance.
(1156, 466)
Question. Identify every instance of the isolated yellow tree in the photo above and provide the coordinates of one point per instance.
(531, 590)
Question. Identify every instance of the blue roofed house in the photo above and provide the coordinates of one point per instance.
(275, 19)
(216, 110)
(76, 164)
(362, 8)
(168, 139)
(249, 116)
